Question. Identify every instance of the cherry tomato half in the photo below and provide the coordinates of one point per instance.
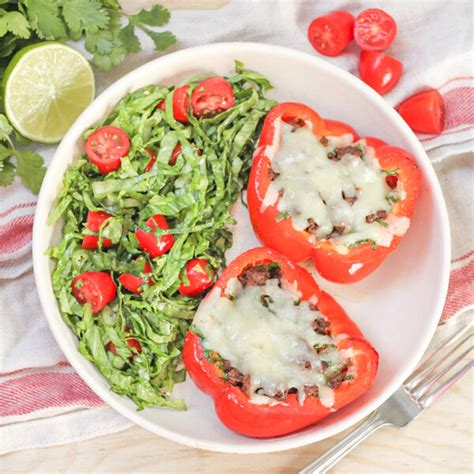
(200, 277)
(211, 97)
(374, 30)
(424, 112)
(132, 282)
(106, 146)
(161, 105)
(149, 243)
(96, 288)
(93, 223)
(379, 71)
(331, 33)
(181, 104)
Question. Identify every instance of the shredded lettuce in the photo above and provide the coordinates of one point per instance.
(195, 195)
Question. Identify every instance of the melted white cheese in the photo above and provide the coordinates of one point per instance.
(314, 187)
(271, 344)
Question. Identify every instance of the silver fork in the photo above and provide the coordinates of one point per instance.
(418, 392)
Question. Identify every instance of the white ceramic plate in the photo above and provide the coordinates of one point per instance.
(397, 307)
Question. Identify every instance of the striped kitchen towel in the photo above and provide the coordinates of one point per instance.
(42, 400)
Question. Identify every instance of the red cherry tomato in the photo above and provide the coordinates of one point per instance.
(181, 104)
(200, 276)
(106, 146)
(93, 223)
(331, 33)
(424, 112)
(374, 30)
(211, 97)
(149, 243)
(152, 161)
(175, 154)
(379, 71)
(132, 282)
(161, 105)
(96, 288)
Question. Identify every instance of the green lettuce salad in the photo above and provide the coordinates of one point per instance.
(195, 195)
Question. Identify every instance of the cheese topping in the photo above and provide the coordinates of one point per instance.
(267, 333)
(336, 191)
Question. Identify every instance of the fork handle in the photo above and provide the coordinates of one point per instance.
(349, 442)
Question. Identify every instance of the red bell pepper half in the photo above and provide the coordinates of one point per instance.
(233, 405)
(280, 234)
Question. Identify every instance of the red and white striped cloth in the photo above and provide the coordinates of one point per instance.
(42, 400)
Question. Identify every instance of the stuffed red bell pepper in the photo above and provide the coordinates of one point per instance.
(317, 190)
(274, 351)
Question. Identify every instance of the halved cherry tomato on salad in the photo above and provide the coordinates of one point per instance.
(161, 105)
(152, 161)
(95, 220)
(96, 288)
(133, 282)
(199, 276)
(106, 146)
(280, 234)
(148, 241)
(330, 34)
(131, 341)
(374, 30)
(211, 97)
(424, 112)
(181, 104)
(233, 405)
(379, 71)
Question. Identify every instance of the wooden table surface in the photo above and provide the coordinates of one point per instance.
(441, 440)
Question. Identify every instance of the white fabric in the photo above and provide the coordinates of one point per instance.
(435, 44)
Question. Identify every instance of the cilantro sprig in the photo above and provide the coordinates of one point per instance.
(27, 164)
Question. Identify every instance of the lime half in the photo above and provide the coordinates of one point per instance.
(45, 87)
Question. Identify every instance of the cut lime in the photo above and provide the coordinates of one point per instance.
(45, 87)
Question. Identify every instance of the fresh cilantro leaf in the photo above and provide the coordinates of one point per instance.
(282, 215)
(45, 18)
(14, 22)
(105, 62)
(5, 128)
(30, 168)
(129, 38)
(392, 198)
(163, 40)
(157, 16)
(391, 172)
(7, 173)
(381, 222)
(373, 244)
(5, 153)
(85, 15)
(101, 42)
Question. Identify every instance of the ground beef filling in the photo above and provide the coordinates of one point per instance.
(257, 276)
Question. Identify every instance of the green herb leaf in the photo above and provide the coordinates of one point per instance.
(373, 244)
(129, 38)
(162, 40)
(391, 172)
(7, 173)
(85, 15)
(282, 215)
(5, 128)
(45, 20)
(15, 23)
(381, 222)
(30, 168)
(157, 16)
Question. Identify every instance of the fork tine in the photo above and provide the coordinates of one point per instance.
(427, 399)
(425, 386)
(429, 364)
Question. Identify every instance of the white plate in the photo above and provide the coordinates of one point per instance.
(397, 307)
